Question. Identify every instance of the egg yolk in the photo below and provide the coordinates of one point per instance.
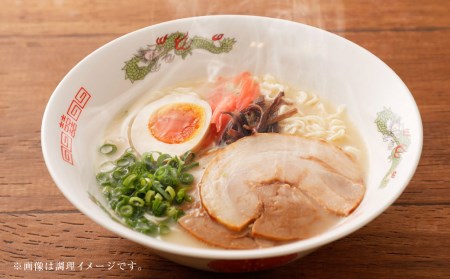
(176, 123)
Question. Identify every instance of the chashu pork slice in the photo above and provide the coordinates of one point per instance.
(288, 214)
(322, 171)
(200, 225)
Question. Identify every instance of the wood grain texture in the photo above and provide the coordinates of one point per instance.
(40, 41)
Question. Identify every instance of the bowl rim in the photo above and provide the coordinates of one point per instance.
(205, 253)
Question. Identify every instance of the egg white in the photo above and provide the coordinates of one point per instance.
(142, 139)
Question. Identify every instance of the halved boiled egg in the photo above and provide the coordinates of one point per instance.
(173, 124)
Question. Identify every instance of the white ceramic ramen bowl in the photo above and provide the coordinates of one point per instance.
(378, 103)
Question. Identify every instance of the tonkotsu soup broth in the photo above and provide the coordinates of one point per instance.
(299, 113)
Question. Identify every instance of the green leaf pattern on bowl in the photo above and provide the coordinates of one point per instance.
(391, 128)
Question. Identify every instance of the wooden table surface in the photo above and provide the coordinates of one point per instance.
(40, 41)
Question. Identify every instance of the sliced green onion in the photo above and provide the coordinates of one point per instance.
(167, 180)
(113, 203)
(175, 213)
(181, 194)
(102, 177)
(124, 199)
(149, 161)
(162, 158)
(120, 173)
(127, 159)
(158, 197)
(190, 166)
(131, 222)
(129, 179)
(126, 210)
(171, 192)
(149, 179)
(159, 209)
(116, 191)
(136, 201)
(108, 148)
(143, 189)
(123, 162)
(186, 178)
(142, 181)
(126, 191)
(107, 190)
(157, 186)
(175, 162)
(149, 196)
(136, 186)
(171, 211)
(140, 194)
(161, 173)
(188, 157)
(138, 168)
(175, 181)
(158, 206)
(107, 167)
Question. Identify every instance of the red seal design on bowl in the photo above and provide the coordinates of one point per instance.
(250, 265)
(68, 123)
